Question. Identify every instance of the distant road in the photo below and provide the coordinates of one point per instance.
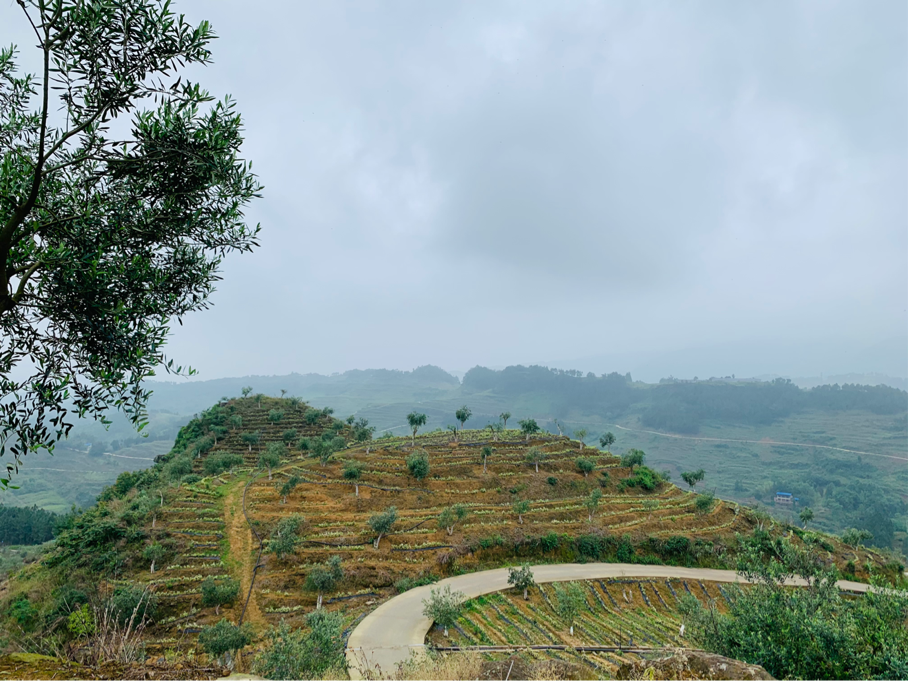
(397, 627)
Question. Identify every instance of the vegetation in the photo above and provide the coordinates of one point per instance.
(606, 441)
(285, 536)
(416, 421)
(286, 489)
(323, 579)
(585, 466)
(569, 601)
(418, 464)
(216, 593)
(693, 477)
(293, 654)
(485, 453)
(23, 525)
(807, 633)
(382, 523)
(443, 607)
(463, 415)
(450, 516)
(521, 579)
(529, 427)
(224, 640)
(353, 471)
(94, 262)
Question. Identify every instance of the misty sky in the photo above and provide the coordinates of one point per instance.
(657, 187)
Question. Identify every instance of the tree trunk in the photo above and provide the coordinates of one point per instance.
(537, 466)
(162, 498)
(450, 530)
(285, 499)
(269, 472)
(152, 567)
(483, 466)
(318, 604)
(526, 596)
(217, 609)
(154, 520)
(572, 630)
(377, 541)
(356, 485)
(520, 519)
(446, 631)
(581, 445)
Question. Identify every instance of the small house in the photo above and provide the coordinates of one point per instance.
(784, 499)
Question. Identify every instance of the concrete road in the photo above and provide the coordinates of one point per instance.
(397, 627)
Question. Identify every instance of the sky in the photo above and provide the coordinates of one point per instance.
(686, 188)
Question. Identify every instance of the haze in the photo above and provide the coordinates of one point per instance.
(672, 187)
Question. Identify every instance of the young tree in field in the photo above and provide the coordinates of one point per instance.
(289, 435)
(250, 439)
(285, 537)
(450, 516)
(633, 458)
(495, 430)
(569, 601)
(275, 415)
(522, 579)
(484, 454)
(382, 523)
(293, 654)
(218, 592)
(219, 433)
(418, 464)
(521, 507)
(585, 466)
(806, 516)
(581, 435)
(153, 553)
(560, 426)
(534, 455)
(693, 477)
(246, 391)
(504, 416)
(529, 427)
(856, 538)
(606, 441)
(272, 456)
(224, 640)
(704, 503)
(453, 430)
(287, 488)
(107, 231)
(443, 607)
(203, 446)
(362, 431)
(592, 502)
(324, 579)
(236, 421)
(416, 422)
(463, 415)
(353, 472)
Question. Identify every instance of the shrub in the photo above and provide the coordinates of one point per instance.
(285, 537)
(625, 552)
(218, 592)
(192, 478)
(291, 654)
(224, 638)
(218, 463)
(585, 466)
(549, 542)
(418, 464)
(275, 415)
(633, 458)
(133, 603)
(178, 467)
(443, 606)
(552, 480)
(407, 583)
(704, 503)
(643, 477)
(522, 579)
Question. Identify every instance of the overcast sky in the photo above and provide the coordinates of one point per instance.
(681, 187)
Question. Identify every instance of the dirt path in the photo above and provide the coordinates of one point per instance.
(397, 627)
(242, 549)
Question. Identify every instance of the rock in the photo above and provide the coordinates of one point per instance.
(681, 663)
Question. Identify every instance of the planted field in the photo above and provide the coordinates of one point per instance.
(624, 613)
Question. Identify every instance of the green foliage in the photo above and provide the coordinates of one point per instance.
(235, 421)
(806, 515)
(528, 427)
(218, 592)
(644, 477)
(219, 432)
(535, 456)
(382, 523)
(154, 552)
(250, 439)
(353, 470)
(107, 237)
(592, 502)
(324, 578)
(81, 622)
(504, 416)
(606, 441)
(133, 603)
(485, 454)
(521, 578)
(362, 431)
(179, 467)
(275, 415)
(312, 416)
(463, 415)
(289, 485)
(293, 654)
(443, 606)
(855, 538)
(449, 517)
(416, 421)
(285, 536)
(191, 479)
(289, 435)
(569, 601)
(222, 461)
(585, 466)
(271, 457)
(693, 477)
(552, 480)
(812, 632)
(520, 508)
(407, 583)
(24, 525)
(633, 458)
(224, 638)
(418, 464)
(704, 503)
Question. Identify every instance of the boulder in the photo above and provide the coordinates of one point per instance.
(681, 663)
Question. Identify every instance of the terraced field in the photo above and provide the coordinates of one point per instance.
(629, 613)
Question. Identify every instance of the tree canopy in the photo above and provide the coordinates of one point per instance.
(106, 238)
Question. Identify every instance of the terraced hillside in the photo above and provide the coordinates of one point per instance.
(199, 513)
(620, 613)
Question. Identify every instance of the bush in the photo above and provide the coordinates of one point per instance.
(552, 480)
(275, 415)
(225, 638)
(133, 603)
(418, 464)
(704, 503)
(218, 592)
(625, 552)
(407, 583)
(191, 479)
(549, 542)
(585, 466)
(294, 655)
(218, 463)
(643, 477)
(633, 458)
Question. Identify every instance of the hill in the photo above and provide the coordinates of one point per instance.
(195, 516)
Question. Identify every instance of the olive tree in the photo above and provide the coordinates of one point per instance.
(218, 592)
(285, 536)
(693, 477)
(416, 422)
(592, 502)
(521, 507)
(581, 435)
(224, 640)
(382, 523)
(522, 578)
(353, 472)
(585, 466)
(272, 456)
(443, 606)
(485, 453)
(122, 189)
(463, 415)
(450, 516)
(418, 464)
(504, 416)
(529, 427)
(534, 455)
(289, 485)
(153, 553)
(606, 441)
(569, 601)
(250, 439)
(324, 578)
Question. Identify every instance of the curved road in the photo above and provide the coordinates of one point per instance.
(395, 628)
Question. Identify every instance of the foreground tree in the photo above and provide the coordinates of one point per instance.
(285, 537)
(289, 485)
(382, 523)
(592, 503)
(324, 578)
(522, 579)
(569, 601)
(218, 592)
(104, 238)
(272, 456)
(416, 421)
(443, 606)
(812, 632)
(225, 640)
(450, 516)
(316, 654)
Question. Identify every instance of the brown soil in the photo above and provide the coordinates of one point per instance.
(244, 548)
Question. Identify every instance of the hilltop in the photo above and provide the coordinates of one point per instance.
(206, 503)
